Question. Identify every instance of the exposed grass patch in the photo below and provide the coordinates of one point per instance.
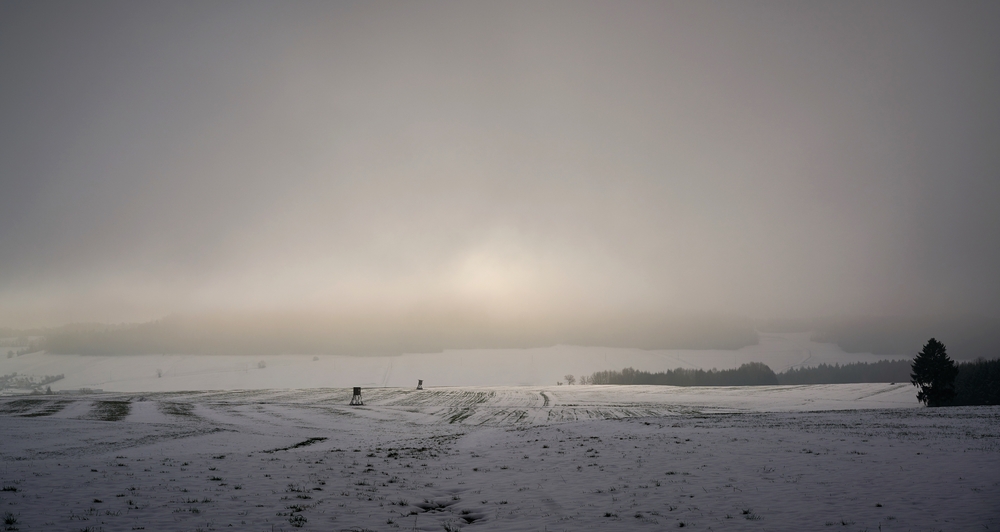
(9, 521)
(47, 408)
(305, 443)
(177, 409)
(110, 410)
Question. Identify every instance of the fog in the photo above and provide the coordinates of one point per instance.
(526, 163)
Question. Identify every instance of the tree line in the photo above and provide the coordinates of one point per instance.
(881, 371)
(13, 380)
(757, 374)
(943, 383)
(750, 374)
(975, 383)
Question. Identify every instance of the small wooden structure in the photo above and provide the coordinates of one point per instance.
(356, 399)
(420, 384)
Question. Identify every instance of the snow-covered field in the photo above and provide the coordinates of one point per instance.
(483, 367)
(186, 443)
(834, 457)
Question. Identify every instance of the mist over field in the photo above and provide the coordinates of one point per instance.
(379, 334)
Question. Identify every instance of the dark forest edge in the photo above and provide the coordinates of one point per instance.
(977, 382)
(757, 374)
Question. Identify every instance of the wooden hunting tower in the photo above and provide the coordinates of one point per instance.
(420, 384)
(356, 399)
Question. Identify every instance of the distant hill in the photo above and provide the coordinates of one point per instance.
(391, 334)
(967, 338)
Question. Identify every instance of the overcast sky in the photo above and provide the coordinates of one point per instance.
(765, 159)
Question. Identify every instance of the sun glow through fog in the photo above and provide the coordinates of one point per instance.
(538, 160)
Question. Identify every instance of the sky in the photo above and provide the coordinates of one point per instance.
(527, 159)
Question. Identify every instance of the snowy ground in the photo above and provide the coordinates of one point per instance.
(835, 457)
(482, 367)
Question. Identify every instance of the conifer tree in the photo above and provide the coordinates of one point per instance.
(934, 373)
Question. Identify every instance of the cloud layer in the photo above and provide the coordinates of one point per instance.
(520, 159)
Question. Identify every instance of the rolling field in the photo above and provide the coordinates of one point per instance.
(838, 457)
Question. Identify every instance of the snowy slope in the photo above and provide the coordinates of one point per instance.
(504, 458)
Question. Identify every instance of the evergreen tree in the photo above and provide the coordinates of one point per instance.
(934, 373)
